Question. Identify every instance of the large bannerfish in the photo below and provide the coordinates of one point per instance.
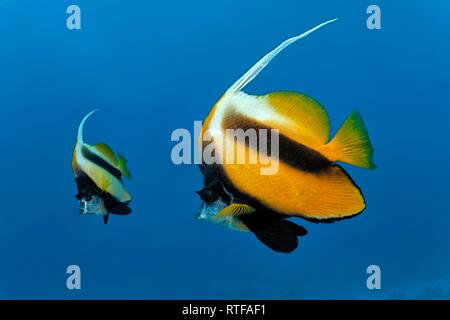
(308, 183)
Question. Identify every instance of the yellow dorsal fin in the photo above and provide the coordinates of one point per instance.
(235, 209)
(122, 166)
(308, 117)
(106, 152)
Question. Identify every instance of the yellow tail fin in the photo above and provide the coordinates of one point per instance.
(351, 143)
(122, 166)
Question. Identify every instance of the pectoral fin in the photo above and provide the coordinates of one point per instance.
(235, 209)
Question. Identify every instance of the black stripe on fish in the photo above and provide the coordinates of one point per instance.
(291, 152)
(100, 162)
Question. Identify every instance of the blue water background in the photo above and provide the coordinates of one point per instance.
(151, 67)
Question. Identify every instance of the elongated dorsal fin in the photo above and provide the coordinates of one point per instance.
(81, 126)
(261, 64)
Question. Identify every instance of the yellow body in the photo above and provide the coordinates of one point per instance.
(328, 193)
(103, 179)
(321, 191)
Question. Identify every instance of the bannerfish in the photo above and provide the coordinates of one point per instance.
(308, 184)
(98, 175)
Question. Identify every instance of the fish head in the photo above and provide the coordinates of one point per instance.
(214, 199)
(208, 210)
(92, 205)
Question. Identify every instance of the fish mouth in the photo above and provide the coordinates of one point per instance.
(92, 206)
(199, 217)
(208, 211)
(201, 213)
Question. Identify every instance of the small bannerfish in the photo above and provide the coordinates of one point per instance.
(308, 183)
(98, 175)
